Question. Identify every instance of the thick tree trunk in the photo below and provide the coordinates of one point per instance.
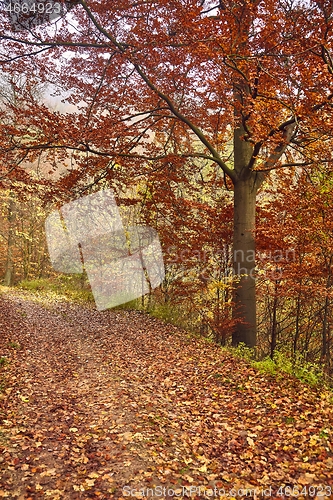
(244, 261)
(246, 183)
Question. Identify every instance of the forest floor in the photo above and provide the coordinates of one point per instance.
(116, 404)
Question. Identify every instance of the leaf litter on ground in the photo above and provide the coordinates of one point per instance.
(117, 404)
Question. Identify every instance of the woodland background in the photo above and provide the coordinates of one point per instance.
(294, 256)
(188, 199)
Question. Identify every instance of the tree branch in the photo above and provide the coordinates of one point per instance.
(196, 130)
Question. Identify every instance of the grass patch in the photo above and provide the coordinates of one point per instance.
(298, 367)
(3, 361)
(166, 312)
(36, 285)
(71, 287)
(132, 305)
(3, 438)
(14, 345)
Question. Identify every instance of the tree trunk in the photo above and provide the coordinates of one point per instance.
(244, 311)
(274, 321)
(246, 181)
(9, 271)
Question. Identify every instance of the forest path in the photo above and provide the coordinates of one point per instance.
(104, 404)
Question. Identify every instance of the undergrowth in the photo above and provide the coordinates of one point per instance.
(297, 366)
(170, 314)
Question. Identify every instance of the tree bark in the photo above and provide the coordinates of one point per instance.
(274, 321)
(244, 311)
(9, 271)
(246, 183)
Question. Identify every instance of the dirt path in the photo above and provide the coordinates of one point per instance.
(103, 404)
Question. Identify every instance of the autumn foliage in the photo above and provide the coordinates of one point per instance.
(180, 103)
(212, 123)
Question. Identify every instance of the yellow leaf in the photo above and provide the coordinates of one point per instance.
(313, 440)
(106, 477)
(54, 493)
(48, 472)
(138, 436)
(203, 468)
(93, 475)
(250, 441)
(73, 429)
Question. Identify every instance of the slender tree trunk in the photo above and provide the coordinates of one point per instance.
(9, 271)
(274, 322)
(297, 323)
(325, 332)
(325, 350)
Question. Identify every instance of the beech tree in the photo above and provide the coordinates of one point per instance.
(156, 85)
